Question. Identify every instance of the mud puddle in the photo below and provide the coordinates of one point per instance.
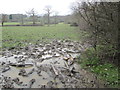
(51, 65)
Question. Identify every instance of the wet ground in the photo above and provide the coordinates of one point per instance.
(46, 65)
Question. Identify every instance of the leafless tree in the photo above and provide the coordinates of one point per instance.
(33, 15)
(55, 17)
(3, 19)
(22, 19)
(48, 10)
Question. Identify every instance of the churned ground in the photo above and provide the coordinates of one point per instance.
(45, 65)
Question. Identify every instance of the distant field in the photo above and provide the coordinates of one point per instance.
(19, 23)
(12, 36)
(11, 23)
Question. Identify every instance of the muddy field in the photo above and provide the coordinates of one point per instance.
(46, 65)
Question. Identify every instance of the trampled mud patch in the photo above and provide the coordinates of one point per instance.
(51, 65)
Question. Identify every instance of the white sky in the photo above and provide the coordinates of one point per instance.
(21, 6)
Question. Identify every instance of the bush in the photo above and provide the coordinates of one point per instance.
(74, 24)
(104, 70)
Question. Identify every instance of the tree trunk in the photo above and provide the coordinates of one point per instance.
(48, 19)
(2, 23)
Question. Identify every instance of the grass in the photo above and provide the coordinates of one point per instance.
(104, 70)
(19, 23)
(11, 23)
(12, 36)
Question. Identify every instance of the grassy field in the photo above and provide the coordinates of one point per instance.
(19, 23)
(12, 36)
(11, 23)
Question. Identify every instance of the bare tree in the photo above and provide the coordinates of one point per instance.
(56, 14)
(33, 15)
(48, 10)
(3, 19)
(22, 19)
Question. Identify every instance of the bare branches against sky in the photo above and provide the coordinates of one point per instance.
(21, 6)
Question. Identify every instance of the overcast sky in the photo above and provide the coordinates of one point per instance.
(21, 6)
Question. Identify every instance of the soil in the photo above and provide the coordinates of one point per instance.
(46, 65)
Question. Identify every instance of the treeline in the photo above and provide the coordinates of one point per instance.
(100, 20)
(37, 20)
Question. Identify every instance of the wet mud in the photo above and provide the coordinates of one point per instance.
(46, 65)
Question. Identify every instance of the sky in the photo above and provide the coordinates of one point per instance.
(63, 7)
(22, 6)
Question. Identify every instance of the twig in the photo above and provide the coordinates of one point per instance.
(55, 71)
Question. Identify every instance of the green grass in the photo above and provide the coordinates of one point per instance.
(104, 70)
(30, 23)
(19, 23)
(12, 36)
(11, 23)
